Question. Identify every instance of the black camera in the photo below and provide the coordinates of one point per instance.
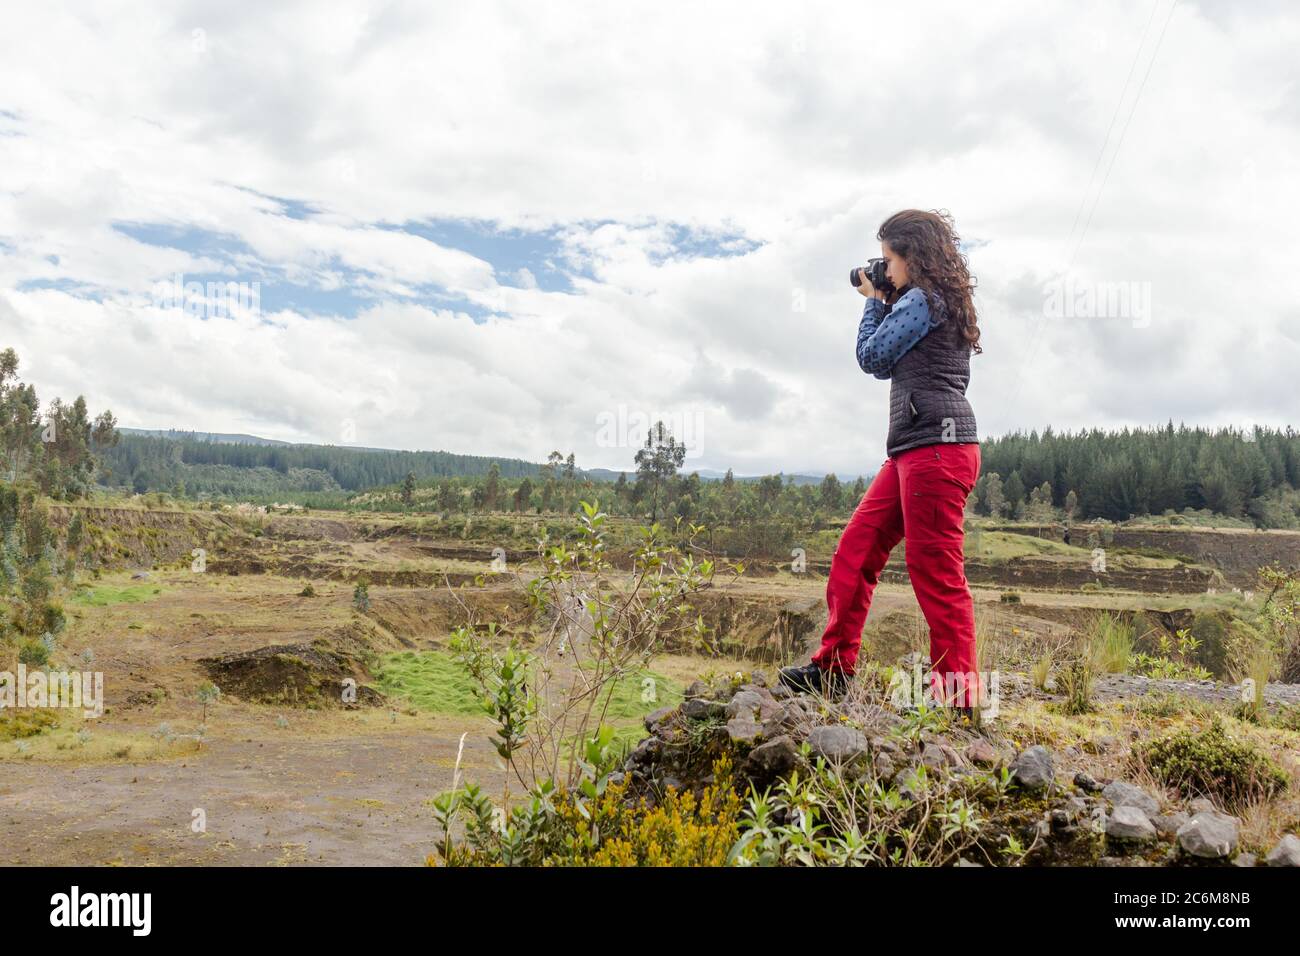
(875, 271)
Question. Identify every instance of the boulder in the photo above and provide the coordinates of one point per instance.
(937, 756)
(1032, 768)
(1286, 853)
(788, 716)
(1209, 835)
(1169, 824)
(745, 704)
(775, 758)
(697, 708)
(645, 752)
(1123, 794)
(981, 753)
(1128, 822)
(743, 730)
(885, 766)
(1085, 781)
(653, 721)
(837, 744)
(908, 783)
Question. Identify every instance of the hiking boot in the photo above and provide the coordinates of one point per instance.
(811, 679)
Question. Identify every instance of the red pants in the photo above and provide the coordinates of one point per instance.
(918, 496)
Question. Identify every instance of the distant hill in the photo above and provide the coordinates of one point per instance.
(215, 437)
(245, 465)
(467, 466)
(223, 438)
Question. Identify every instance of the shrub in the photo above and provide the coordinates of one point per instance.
(1286, 718)
(1042, 670)
(1076, 681)
(1167, 704)
(831, 816)
(596, 824)
(1113, 638)
(361, 596)
(27, 722)
(575, 612)
(34, 653)
(679, 831)
(1177, 660)
(1201, 762)
(1101, 647)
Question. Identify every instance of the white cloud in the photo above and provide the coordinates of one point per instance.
(798, 128)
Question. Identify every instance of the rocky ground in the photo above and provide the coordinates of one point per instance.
(1074, 818)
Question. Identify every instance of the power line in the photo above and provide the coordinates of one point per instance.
(1119, 145)
(1123, 93)
(1033, 350)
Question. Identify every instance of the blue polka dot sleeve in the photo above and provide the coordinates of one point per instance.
(886, 333)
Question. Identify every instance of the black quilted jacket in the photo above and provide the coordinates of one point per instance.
(927, 392)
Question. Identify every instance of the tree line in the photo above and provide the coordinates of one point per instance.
(1245, 474)
(44, 455)
(155, 463)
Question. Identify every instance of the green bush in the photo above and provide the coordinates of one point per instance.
(33, 654)
(1201, 762)
(1286, 718)
(596, 824)
(28, 722)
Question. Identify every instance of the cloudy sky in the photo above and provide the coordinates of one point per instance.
(507, 228)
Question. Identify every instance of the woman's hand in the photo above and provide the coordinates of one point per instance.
(866, 288)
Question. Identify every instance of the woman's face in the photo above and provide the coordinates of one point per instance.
(895, 267)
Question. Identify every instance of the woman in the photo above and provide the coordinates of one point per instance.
(920, 337)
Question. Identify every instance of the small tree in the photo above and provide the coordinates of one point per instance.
(208, 693)
(1014, 489)
(658, 462)
(523, 495)
(830, 493)
(408, 489)
(994, 500)
(361, 596)
(586, 632)
(491, 487)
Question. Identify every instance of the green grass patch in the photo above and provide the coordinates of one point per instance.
(429, 680)
(642, 692)
(105, 595)
(1004, 545)
(434, 681)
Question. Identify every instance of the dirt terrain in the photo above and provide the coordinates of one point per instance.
(298, 779)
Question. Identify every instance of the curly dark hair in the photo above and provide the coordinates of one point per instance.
(928, 243)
